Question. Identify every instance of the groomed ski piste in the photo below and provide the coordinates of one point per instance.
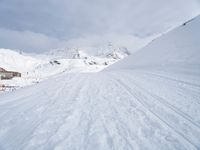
(150, 100)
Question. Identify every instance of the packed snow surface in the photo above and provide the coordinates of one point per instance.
(150, 100)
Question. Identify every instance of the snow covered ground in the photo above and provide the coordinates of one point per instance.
(150, 100)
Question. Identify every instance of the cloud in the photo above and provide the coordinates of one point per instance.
(132, 43)
(37, 42)
(63, 20)
(28, 41)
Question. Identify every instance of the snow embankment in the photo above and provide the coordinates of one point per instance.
(178, 48)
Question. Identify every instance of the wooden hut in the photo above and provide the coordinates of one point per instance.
(7, 75)
(2, 87)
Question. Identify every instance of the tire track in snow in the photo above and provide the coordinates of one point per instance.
(125, 123)
(19, 120)
(135, 94)
(175, 80)
(33, 123)
(53, 118)
(65, 133)
(173, 106)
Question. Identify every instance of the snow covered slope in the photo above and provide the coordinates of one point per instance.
(29, 63)
(37, 67)
(178, 48)
(150, 100)
(12, 60)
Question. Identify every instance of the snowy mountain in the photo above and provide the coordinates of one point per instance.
(37, 67)
(106, 50)
(149, 100)
(13, 60)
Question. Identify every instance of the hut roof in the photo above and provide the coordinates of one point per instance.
(2, 70)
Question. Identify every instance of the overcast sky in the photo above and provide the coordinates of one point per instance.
(36, 25)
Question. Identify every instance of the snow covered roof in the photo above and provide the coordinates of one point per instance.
(1, 69)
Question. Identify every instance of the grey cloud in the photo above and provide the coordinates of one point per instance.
(68, 19)
(28, 41)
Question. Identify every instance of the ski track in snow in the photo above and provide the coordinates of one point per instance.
(119, 110)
